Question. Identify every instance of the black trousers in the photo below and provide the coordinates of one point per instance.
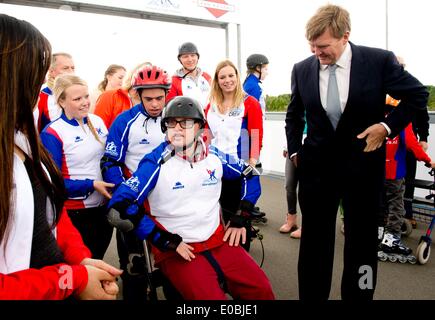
(132, 261)
(320, 190)
(94, 229)
(230, 202)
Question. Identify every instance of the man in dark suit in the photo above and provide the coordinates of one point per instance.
(341, 90)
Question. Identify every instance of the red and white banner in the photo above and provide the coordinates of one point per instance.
(210, 10)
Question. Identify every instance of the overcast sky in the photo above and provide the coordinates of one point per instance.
(272, 27)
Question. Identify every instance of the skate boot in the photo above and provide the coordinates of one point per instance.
(392, 249)
(258, 216)
(380, 236)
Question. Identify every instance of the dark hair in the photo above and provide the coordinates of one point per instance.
(25, 56)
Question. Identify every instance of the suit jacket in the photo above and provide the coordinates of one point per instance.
(374, 73)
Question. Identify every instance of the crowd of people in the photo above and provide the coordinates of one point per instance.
(174, 162)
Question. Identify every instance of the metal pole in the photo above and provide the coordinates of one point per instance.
(227, 41)
(239, 47)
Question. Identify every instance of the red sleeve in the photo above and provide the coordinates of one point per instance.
(207, 135)
(174, 91)
(49, 283)
(255, 126)
(70, 241)
(104, 107)
(412, 144)
(206, 77)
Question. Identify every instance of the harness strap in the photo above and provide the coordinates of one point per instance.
(220, 274)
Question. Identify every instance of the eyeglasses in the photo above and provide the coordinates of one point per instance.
(185, 123)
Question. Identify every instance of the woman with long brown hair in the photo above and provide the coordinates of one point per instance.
(42, 255)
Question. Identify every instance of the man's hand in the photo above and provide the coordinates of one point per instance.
(104, 188)
(234, 235)
(375, 136)
(185, 251)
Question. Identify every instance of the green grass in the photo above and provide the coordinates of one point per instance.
(280, 103)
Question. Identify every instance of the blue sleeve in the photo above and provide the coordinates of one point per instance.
(252, 88)
(79, 188)
(232, 169)
(74, 188)
(135, 190)
(113, 160)
(53, 145)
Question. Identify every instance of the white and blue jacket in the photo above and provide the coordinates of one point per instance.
(183, 196)
(254, 87)
(133, 134)
(77, 154)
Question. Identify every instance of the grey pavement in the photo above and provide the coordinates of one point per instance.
(395, 281)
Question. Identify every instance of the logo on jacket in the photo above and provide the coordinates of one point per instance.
(235, 112)
(204, 86)
(78, 139)
(99, 131)
(178, 185)
(111, 149)
(144, 141)
(133, 183)
(212, 180)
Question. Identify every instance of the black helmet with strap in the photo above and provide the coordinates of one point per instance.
(183, 107)
(187, 47)
(255, 60)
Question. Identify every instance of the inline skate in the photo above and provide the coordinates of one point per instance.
(392, 249)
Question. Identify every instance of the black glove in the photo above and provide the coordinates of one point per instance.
(125, 216)
(164, 240)
(242, 216)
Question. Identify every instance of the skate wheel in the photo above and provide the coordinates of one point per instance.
(406, 228)
(423, 252)
(392, 258)
(382, 257)
(402, 259)
(412, 260)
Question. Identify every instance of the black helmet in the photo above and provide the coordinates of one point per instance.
(187, 47)
(183, 107)
(255, 60)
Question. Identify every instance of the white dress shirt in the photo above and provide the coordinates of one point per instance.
(343, 77)
(343, 80)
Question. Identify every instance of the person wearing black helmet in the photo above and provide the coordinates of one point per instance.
(181, 180)
(257, 71)
(133, 134)
(190, 80)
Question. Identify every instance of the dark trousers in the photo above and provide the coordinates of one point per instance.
(230, 202)
(132, 261)
(320, 192)
(94, 228)
(411, 169)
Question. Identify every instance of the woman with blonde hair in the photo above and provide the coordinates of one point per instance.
(76, 142)
(113, 80)
(39, 247)
(236, 127)
(111, 103)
